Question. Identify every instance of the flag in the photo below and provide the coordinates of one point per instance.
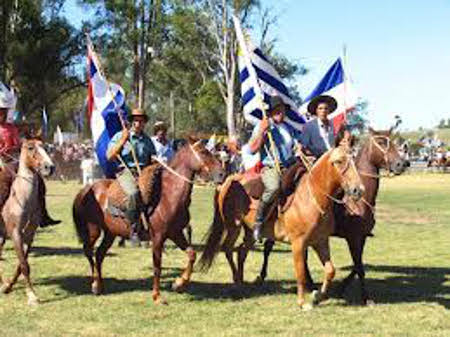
(59, 136)
(259, 81)
(105, 102)
(335, 83)
(44, 122)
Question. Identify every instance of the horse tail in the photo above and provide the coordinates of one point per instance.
(213, 238)
(78, 216)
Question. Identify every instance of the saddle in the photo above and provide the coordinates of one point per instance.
(254, 187)
(149, 183)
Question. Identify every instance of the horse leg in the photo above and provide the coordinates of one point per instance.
(298, 252)
(157, 246)
(88, 249)
(268, 247)
(356, 249)
(228, 246)
(182, 243)
(100, 253)
(309, 280)
(323, 250)
(243, 249)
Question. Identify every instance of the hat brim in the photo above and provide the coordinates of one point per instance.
(312, 106)
(273, 109)
(132, 116)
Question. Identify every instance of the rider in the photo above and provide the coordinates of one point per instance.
(317, 136)
(121, 145)
(10, 145)
(284, 141)
(163, 146)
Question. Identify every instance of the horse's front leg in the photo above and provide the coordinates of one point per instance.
(157, 247)
(323, 250)
(298, 251)
(180, 282)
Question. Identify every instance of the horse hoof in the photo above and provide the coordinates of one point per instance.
(307, 307)
(316, 297)
(160, 301)
(258, 281)
(96, 290)
(5, 289)
(33, 301)
(369, 303)
(179, 285)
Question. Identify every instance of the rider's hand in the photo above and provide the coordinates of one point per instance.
(265, 123)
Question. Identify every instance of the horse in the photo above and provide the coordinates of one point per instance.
(23, 210)
(306, 221)
(354, 222)
(167, 221)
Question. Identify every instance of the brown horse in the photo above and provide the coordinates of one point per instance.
(355, 222)
(305, 222)
(23, 211)
(167, 221)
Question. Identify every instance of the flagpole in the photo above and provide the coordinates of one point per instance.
(116, 107)
(258, 92)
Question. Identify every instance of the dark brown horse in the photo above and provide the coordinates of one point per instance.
(356, 221)
(305, 222)
(167, 221)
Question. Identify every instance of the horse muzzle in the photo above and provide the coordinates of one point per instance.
(218, 176)
(355, 192)
(398, 166)
(47, 170)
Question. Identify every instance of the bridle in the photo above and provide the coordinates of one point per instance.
(382, 150)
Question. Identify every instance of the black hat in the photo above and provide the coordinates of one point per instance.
(312, 106)
(276, 101)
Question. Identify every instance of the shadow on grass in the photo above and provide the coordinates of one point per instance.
(81, 285)
(403, 285)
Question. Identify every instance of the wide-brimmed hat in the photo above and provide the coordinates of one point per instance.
(312, 106)
(138, 113)
(159, 125)
(276, 101)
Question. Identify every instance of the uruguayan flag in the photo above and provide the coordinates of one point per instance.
(260, 80)
(105, 102)
(335, 83)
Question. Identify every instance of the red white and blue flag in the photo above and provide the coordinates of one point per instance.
(105, 102)
(335, 83)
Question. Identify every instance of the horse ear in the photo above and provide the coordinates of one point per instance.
(371, 131)
(192, 139)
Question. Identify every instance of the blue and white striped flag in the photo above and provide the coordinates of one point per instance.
(44, 122)
(259, 81)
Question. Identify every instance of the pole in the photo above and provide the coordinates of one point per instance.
(172, 114)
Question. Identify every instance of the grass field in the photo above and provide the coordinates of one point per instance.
(408, 270)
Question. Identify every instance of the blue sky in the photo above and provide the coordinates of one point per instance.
(398, 51)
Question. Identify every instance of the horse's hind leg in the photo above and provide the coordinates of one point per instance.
(100, 253)
(323, 250)
(228, 246)
(243, 252)
(182, 243)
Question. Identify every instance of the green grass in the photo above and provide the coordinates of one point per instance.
(408, 269)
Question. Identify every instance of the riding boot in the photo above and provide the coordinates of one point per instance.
(257, 229)
(132, 215)
(46, 219)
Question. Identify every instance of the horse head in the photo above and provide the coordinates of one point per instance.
(344, 169)
(383, 153)
(35, 157)
(204, 162)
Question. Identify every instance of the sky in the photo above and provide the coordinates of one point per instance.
(398, 51)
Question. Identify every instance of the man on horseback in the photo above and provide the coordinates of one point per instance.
(163, 147)
(132, 147)
(10, 147)
(318, 134)
(281, 154)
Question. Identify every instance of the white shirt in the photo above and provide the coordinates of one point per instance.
(163, 151)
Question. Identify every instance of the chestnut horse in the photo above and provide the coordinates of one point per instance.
(355, 222)
(167, 221)
(23, 210)
(305, 222)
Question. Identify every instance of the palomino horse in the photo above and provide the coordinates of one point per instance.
(23, 211)
(167, 221)
(355, 222)
(305, 222)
